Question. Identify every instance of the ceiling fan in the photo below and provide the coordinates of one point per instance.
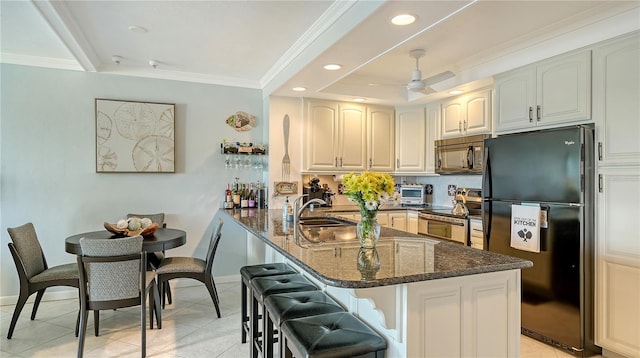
(419, 84)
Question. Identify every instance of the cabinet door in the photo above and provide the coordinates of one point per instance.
(515, 99)
(383, 219)
(453, 117)
(618, 261)
(411, 134)
(381, 127)
(412, 222)
(433, 134)
(321, 135)
(352, 137)
(398, 221)
(564, 89)
(478, 113)
(616, 108)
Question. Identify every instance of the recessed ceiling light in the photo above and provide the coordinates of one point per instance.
(403, 19)
(332, 67)
(138, 29)
(299, 89)
(359, 99)
(456, 91)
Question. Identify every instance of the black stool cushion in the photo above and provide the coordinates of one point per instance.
(286, 306)
(332, 335)
(270, 285)
(249, 272)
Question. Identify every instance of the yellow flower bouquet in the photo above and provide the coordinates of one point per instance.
(369, 190)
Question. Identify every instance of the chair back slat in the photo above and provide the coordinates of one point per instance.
(116, 275)
(213, 245)
(28, 247)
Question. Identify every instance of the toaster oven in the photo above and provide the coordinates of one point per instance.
(413, 194)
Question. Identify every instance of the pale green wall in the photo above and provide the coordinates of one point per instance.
(47, 139)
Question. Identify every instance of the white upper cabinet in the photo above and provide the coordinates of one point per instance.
(346, 137)
(381, 121)
(616, 100)
(467, 115)
(433, 112)
(551, 92)
(352, 137)
(411, 140)
(321, 136)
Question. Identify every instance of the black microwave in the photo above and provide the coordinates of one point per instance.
(460, 155)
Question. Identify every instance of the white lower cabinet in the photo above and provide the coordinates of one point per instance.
(398, 221)
(412, 222)
(618, 261)
(476, 234)
(467, 316)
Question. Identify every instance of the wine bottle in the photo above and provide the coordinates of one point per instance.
(252, 196)
(228, 195)
(236, 195)
(244, 198)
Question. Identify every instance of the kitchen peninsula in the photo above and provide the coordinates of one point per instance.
(428, 297)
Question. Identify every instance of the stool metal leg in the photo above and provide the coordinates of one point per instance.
(245, 316)
(254, 317)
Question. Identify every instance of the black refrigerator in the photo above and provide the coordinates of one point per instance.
(552, 169)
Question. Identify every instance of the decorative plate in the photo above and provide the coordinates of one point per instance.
(148, 231)
(241, 121)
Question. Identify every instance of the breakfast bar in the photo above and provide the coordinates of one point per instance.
(427, 297)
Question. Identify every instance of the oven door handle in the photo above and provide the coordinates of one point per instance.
(442, 221)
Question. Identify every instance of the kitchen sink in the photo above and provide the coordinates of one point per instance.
(324, 222)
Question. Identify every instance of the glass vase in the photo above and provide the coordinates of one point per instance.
(368, 230)
(368, 263)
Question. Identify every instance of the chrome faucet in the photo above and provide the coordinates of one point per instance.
(298, 212)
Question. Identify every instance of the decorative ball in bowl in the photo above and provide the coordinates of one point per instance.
(132, 226)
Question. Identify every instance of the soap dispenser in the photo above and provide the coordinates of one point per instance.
(285, 209)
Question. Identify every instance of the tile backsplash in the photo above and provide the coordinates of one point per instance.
(440, 185)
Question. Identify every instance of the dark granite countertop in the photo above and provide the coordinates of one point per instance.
(333, 254)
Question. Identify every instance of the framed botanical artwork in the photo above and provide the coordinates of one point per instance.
(134, 137)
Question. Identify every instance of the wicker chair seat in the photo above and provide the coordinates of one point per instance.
(61, 272)
(181, 264)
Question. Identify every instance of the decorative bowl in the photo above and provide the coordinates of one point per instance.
(148, 231)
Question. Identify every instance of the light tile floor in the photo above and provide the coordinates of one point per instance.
(190, 329)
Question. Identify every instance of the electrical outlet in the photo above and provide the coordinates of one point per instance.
(451, 190)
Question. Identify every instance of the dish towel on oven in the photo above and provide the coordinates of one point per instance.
(525, 227)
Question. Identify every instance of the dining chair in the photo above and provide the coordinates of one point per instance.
(33, 272)
(194, 268)
(154, 258)
(113, 274)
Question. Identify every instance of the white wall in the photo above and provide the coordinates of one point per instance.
(278, 107)
(47, 147)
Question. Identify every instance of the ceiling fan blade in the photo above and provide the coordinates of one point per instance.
(438, 78)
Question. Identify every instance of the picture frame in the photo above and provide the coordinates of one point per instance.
(134, 137)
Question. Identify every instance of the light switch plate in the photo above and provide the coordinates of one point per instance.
(451, 190)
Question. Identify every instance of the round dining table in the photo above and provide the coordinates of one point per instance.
(163, 239)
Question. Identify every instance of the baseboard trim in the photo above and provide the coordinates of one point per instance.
(71, 293)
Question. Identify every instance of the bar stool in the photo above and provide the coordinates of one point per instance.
(330, 335)
(285, 306)
(262, 287)
(250, 272)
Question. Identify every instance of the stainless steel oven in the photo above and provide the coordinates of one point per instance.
(444, 227)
